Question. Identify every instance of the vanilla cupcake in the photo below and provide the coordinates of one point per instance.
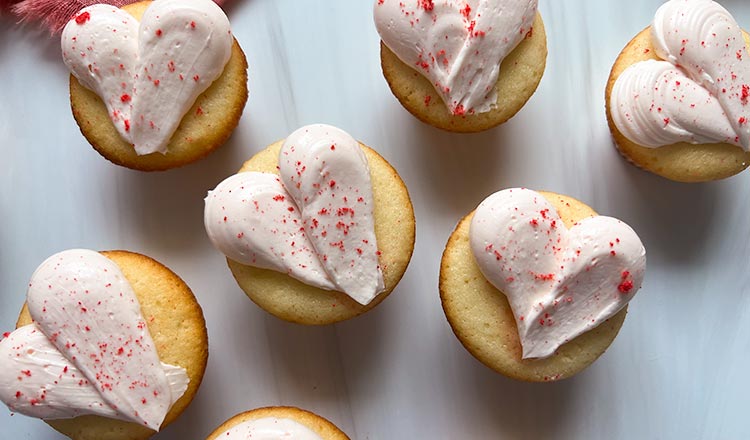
(536, 285)
(109, 345)
(278, 422)
(317, 228)
(159, 93)
(460, 68)
(677, 96)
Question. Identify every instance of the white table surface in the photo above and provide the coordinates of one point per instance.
(677, 370)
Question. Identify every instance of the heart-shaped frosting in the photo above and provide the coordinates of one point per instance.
(89, 350)
(559, 282)
(148, 74)
(314, 222)
(700, 93)
(457, 44)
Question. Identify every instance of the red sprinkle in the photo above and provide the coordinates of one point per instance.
(545, 277)
(625, 286)
(83, 18)
(125, 98)
(427, 5)
(158, 32)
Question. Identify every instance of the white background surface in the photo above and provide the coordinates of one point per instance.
(677, 370)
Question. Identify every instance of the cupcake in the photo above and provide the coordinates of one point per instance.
(460, 68)
(109, 345)
(536, 285)
(317, 228)
(159, 93)
(677, 96)
(276, 423)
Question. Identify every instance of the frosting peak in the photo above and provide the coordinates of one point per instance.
(457, 45)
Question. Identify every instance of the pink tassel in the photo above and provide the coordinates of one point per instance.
(5, 5)
(56, 13)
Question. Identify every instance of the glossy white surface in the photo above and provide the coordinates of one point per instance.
(677, 370)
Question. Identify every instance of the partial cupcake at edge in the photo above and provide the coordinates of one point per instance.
(461, 66)
(157, 93)
(317, 228)
(109, 345)
(535, 285)
(278, 422)
(678, 94)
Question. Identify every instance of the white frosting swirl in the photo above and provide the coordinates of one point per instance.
(149, 74)
(315, 222)
(703, 97)
(270, 428)
(457, 45)
(89, 350)
(559, 282)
